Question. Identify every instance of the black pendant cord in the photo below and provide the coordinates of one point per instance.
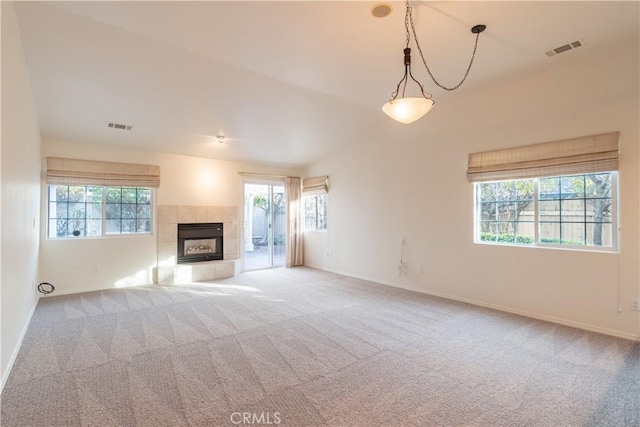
(408, 22)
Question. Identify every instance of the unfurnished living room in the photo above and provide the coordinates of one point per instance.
(320, 213)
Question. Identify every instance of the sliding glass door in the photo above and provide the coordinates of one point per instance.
(264, 226)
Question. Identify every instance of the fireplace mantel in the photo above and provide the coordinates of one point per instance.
(169, 216)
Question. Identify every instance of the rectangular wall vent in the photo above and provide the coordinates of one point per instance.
(114, 125)
(564, 48)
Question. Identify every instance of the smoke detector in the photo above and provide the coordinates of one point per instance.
(114, 125)
(564, 48)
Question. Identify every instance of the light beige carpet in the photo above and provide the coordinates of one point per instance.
(308, 348)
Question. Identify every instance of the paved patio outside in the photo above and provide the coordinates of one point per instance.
(259, 257)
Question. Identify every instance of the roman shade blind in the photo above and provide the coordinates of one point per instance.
(315, 185)
(90, 172)
(589, 154)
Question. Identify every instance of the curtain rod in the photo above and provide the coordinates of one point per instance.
(270, 175)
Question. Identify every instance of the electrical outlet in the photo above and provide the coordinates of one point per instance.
(635, 304)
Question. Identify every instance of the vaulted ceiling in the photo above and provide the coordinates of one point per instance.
(285, 82)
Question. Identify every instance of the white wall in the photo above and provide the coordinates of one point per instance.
(89, 264)
(20, 191)
(410, 181)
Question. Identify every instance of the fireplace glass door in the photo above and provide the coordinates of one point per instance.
(199, 246)
(264, 226)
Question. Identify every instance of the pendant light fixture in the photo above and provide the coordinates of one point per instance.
(409, 109)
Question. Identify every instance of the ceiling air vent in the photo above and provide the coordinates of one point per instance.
(115, 125)
(564, 48)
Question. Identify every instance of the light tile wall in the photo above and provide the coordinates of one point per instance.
(169, 216)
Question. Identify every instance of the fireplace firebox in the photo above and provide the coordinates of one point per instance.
(200, 242)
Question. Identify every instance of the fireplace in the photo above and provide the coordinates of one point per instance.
(200, 242)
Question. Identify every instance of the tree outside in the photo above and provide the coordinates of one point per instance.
(573, 210)
(128, 210)
(263, 214)
(501, 207)
(78, 211)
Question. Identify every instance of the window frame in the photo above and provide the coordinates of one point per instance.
(103, 219)
(326, 213)
(537, 243)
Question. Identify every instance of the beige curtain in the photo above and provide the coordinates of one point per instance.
(295, 235)
(589, 154)
(315, 185)
(91, 172)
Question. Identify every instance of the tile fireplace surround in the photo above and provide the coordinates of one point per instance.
(169, 216)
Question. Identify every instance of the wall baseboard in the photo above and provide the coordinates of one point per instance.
(16, 350)
(552, 319)
(101, 288)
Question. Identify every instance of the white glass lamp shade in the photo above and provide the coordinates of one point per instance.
(407, 110)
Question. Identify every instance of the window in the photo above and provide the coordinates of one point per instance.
(567, 211)
(93, 211)
(506, 211)
(315, 212)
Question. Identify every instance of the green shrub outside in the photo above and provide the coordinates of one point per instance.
(506, 238)
(523, 240)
